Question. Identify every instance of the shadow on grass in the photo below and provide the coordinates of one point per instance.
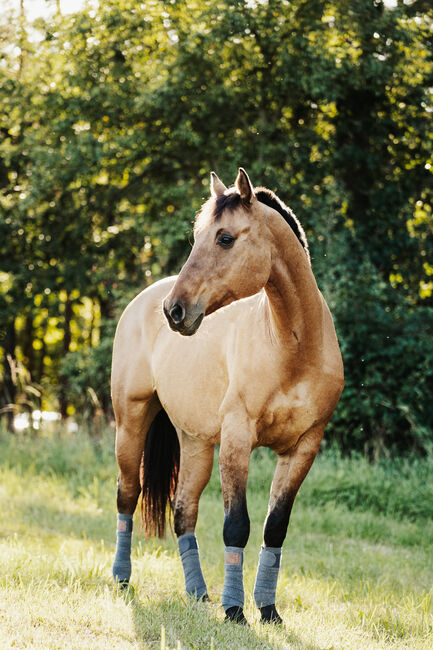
(335, 560)
(201, 625)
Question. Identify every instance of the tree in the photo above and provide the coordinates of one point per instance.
(109, 128)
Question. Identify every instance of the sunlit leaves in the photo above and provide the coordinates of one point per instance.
(113, 118)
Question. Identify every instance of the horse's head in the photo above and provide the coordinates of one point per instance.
(230, 259)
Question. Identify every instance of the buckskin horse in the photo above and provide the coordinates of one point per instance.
(238, 350)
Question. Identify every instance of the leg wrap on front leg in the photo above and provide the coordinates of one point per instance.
(122, 560)
(233, 591)
(194, 581)
(267, 576)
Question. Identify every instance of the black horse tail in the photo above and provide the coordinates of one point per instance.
(160, 471)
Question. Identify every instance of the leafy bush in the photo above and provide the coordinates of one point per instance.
(400, 488)
(87, 374)
(387, 348)
(110, 126)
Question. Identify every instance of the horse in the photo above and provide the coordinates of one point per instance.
(238, 350)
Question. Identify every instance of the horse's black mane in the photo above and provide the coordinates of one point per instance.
(233, 200)
(270, 199)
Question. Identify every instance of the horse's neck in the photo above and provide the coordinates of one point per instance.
(295, 302)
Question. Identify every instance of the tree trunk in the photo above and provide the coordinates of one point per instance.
(22, 39)
(9, 383)
(63, 402)
(39, 366)
(28, 344)
(106, 306)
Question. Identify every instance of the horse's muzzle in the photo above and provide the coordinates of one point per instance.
(183, 320)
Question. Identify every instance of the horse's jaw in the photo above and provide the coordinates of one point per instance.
(189, 330)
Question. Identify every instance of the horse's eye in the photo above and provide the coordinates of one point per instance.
(226, 241)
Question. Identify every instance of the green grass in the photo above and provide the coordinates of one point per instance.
(357, 562)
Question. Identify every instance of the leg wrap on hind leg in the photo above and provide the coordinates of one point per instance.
(194, 581)
(233, 591)
(122, 560)
(267, 576)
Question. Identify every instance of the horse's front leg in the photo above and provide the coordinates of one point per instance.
(196, 460)
(235, 450)
(291, 470)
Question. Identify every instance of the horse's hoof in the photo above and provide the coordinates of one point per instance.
(269, 614)
(236, 615)
(204, 599)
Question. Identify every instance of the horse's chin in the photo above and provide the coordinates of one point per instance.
(190, 330)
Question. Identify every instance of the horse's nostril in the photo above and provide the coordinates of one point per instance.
(177, 313)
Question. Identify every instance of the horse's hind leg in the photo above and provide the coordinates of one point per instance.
(196, 460)
(291, 470)
(133, 421)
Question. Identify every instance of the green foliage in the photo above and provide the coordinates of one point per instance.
(109, 125)
(387, 347)
(397, 488)
(75, 459)
(87, 375)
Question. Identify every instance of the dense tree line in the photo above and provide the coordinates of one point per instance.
(110, 121)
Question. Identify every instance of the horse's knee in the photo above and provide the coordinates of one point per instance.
(237, 525)
(277, 522)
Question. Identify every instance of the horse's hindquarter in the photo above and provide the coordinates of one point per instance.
(138, 327)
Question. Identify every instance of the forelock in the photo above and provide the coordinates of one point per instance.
(214, 207)
(230, 200)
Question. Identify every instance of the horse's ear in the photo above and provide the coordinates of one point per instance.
(244, 186)
(217, 187)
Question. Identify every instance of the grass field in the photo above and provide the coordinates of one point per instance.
(357, 562)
